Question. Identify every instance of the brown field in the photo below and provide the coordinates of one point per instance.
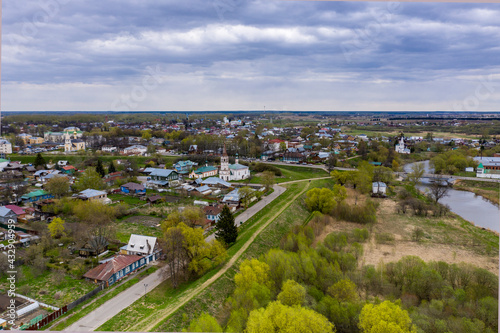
(448, 239)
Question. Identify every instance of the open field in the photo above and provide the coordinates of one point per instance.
(291, 173)
(137, 224)
(449, 238)
(436, 134)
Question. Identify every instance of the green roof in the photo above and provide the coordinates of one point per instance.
(480, 166)
(36, 193)
(3, 160)
(205, 169)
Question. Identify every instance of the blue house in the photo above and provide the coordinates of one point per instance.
(183, 167)
(115, 269)
(36, 195)
(133, 188)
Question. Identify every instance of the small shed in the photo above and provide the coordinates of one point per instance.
(379, 188)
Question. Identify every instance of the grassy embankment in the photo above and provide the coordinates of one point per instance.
(138, 317)
(488, 190)
(291, 173)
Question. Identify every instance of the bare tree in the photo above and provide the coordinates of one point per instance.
(175, 253)
(438, 189)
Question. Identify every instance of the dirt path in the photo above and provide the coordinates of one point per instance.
(147, 324)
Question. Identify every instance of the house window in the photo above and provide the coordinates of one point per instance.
(127, 270)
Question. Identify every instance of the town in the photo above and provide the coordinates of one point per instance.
(111, 215)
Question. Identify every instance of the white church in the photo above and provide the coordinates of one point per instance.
(400, 147)
(234, 171)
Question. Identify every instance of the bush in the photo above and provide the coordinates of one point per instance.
(384, 238)
(261, 167)
(360, 214)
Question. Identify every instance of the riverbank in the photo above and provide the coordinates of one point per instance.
(489, 191)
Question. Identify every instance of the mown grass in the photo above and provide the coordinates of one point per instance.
(128, 199)
(125, 229)
(290, 173)
(163, 296)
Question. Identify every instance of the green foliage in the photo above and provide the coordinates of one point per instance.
(56, 228)
(357, 213)
(111, 167)
(58, 186)
(39, 161)
(100, 168)
(321, 200)
(90, 179)
(281, 318)
(204, 323)
(344, 291)
(292, 294)
(451, 162)
(386, 317)
(226, 230)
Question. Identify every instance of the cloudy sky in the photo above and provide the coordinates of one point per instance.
(136, 55)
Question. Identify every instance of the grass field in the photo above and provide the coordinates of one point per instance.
(125, 228)
(163, 296)
(290, 173)
(44, 287)
(386, 133)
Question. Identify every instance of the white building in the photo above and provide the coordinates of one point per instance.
(109, 149)
(400, 147)
(234, 171)
(5, 147)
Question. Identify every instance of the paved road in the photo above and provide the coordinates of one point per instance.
(247, 214)
(121, 301)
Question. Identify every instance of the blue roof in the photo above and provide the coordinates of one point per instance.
(232, 196)
(237, 166)
(215, 181)
(379, 184)
(5, 211)
(203, 188)
(162, 172)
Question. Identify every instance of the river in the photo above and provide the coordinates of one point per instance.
(472, 207)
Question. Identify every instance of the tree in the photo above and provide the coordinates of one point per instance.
(282, 146)
(344, 291)
(90, 179)
(111, 167)
(277, 317)
(331, 162)
(58, 186)
(246, 194)
(267, 179)
(175, 253)
(100, 169)
(342, 177)
(321, 200)
(292, 293)
(417, 172)
(188, 248)
(56, 228)
(39, 161)
(386, 317)
(204, 323)
(226, 229)
(146, 135)
(151, 149)
(438, 190)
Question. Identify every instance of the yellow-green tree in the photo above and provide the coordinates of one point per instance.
(277, 317)
(292, 293)
(344, 291)
(385, 317)
(267, 179)
(321, 200)
(58, 186)
(56, 228)
(204, 323)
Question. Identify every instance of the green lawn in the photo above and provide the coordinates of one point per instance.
(290, 173)
(128, 199)
(124, 229)
(44, 287)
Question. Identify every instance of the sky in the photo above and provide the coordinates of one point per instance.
(163, 55)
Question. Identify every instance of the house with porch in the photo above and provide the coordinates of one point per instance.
(183, 167)
(163, 177)
(115, 269)
(36, 196)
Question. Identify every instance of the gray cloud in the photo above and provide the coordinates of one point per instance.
(227, 54)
